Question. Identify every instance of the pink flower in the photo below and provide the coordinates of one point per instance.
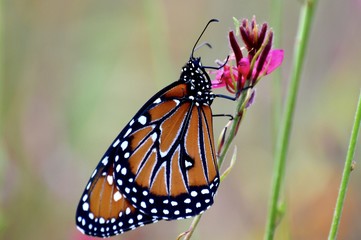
(260, 59)
(226, 76)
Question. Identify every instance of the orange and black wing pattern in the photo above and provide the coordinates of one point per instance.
(169, 157)
(162, 165)
(104, 210)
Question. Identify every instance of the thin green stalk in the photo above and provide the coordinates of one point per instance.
(301, 44)
(187, 235)
(346, 173)
(2, 85)
(233, 130)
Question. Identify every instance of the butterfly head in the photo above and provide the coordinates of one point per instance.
(196, 77)
(198, 82)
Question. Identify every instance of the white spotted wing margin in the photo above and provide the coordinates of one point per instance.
(103, 210)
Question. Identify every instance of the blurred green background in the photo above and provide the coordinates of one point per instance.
(74, 72)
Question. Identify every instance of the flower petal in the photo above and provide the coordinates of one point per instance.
(244, 67)
(251, 99)
(274, 60)
(218, 84)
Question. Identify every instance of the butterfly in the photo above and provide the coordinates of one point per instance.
(162, 165)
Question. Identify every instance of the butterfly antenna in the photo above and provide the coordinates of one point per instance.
(202, 45)
(194, 47)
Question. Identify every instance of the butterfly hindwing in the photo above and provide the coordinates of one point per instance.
(103, 210)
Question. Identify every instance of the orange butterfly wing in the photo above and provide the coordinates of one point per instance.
(162, 165)
(168, 155)
(103, 210)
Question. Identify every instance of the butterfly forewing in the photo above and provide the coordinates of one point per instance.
(168, 152)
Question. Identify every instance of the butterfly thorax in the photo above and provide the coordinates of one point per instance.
(198, 82)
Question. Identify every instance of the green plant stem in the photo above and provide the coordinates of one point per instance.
(233, 130)
(190, 232)
(346, 173)
(301, 44)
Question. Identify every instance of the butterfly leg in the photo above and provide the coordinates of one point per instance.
(223, 115)
(226, 97)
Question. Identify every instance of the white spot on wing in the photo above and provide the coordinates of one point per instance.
(110, 179)
(127, 211)
(85, 197)
(127, 133)
(93, 174)
(117, 196)
(188, 164)
(154, 136)
(116, 143)
(194, 193)
(142, 120)
(120, 182)
(205, 191)
(105, 161)
(85, 206)
(163, 154)
(124, 145)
